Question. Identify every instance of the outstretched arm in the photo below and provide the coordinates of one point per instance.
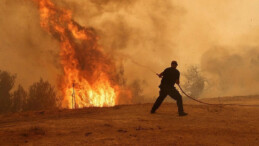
(160, 75)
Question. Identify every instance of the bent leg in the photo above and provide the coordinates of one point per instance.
(177, 96)
(159, 100)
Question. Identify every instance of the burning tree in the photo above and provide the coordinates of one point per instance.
(89, 75)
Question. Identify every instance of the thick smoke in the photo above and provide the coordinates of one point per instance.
(137, 32)
(25, 49)
(231, 72)
(219, 37)
(153, 33)
(222, 38)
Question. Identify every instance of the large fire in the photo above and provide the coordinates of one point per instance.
(88, 78)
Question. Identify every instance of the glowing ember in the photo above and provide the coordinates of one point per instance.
(88, 78)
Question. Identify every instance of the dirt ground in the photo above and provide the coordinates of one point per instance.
(134, 125)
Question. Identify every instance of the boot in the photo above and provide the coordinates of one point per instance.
(152, 111)
(182, 114)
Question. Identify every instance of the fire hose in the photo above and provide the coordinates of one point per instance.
(192, 98)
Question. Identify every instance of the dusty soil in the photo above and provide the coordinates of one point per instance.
(134, 125)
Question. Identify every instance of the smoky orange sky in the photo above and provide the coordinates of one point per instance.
(220, 37)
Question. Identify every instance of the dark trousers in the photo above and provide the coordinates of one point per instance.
(172, 92)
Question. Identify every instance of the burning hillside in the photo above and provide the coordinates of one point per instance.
(89, 75)
(77, 47)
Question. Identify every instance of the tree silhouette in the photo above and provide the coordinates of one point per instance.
(6, 84)
(195, 81)
(19, 99)
(41, 96)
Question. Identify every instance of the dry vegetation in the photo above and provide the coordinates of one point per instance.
(41, 95)
(32, 131)
(134, 125)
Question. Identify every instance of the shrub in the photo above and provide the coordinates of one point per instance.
(137, 91)
(195, 81)
(41, 96)
(19, 99)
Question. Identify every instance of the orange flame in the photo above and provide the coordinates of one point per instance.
(88, 78)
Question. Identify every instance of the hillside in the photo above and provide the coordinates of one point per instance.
(133, 124)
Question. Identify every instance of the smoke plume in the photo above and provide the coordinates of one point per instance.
(219, 37)
(25, 49)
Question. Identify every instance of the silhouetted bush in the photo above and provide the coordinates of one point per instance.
(41, 96)
(137, 91)
(19, 99)
(195, 81)
(6, 84)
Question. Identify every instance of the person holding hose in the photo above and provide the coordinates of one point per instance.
(169, 76)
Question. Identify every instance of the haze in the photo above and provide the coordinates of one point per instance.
(220, 37)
